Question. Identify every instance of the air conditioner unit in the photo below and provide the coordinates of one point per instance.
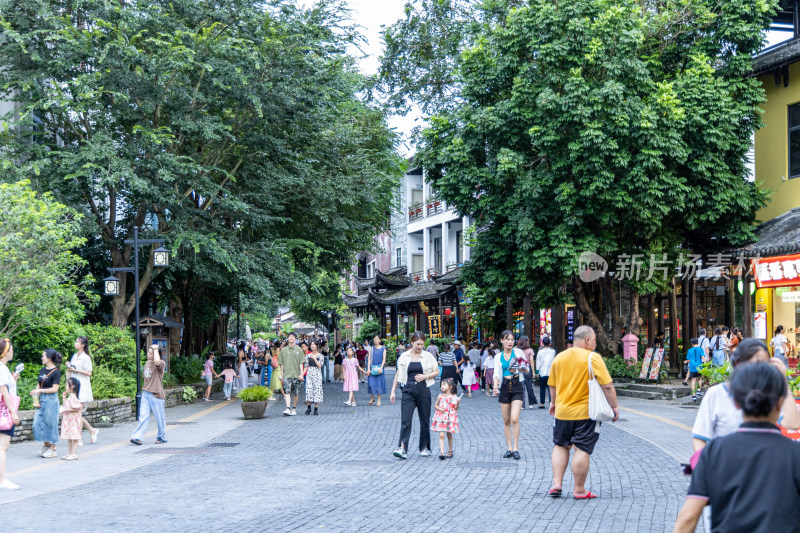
(417, 187)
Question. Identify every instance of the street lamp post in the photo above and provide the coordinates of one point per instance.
(111, 286)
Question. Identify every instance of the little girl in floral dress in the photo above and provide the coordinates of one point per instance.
(71, 421)
(445, 418)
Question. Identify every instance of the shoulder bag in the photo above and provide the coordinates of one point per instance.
(6, 420)
(599, 408)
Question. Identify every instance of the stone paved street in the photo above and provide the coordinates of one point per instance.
(335, 472)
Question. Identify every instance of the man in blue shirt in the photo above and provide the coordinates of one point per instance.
(695, 358)
(459, 353)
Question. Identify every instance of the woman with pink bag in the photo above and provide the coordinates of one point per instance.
(8, 409)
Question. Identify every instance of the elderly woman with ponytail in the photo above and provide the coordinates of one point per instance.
(45, 399)
(8, 409)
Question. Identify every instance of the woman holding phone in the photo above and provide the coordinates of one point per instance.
(508, 364)
(8, 392)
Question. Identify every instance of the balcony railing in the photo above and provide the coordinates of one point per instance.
(434, 207)
(415, 211)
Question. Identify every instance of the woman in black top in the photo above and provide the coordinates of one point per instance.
(45, 399)
(744, 475)
(338, 370)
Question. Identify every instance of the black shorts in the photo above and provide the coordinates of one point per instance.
(694, 374)
(581, 433)
(511, 390)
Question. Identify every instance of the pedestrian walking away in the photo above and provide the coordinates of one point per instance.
(209, 374)
(228, 376)
(743, 475)
(263, 361)
(292, 362)
(326, 354)
(569, 390)
(9, 404)
(474, 355)
(376, 382)
(352, 369)
(338, 369)
(416, 370)
(45, 401)
(468, 376)
(445, 417)
(447, 360)
(524, 344)
(543, 361)
(153, 398)
(314, 360)
(361, 355)
(694, 360)
(718, 344)
(508, 364)
(458, 352)
(71, 419)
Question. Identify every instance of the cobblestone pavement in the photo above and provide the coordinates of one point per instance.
(335, 472)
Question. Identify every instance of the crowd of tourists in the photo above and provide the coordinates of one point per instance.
(739, 450)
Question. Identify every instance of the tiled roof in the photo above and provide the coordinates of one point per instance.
(452, 277)
(351, 300)
(776, 57)
(779, 236)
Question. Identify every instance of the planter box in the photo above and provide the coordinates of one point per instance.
(254, 410)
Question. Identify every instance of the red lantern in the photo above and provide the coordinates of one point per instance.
(447, 311)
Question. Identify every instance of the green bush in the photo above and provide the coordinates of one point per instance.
(170, 380)
(187, 369)
(113, 347)
(369, 329)
(619, 368)
(439, 342)
(110, 383)
(716, 374)
(254, 394)
(28, 346)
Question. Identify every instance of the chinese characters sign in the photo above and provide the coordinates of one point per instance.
(435, 325)
(782, 271)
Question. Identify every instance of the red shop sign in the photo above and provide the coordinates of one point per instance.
(781, 271)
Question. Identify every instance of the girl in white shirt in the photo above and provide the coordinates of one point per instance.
(780, 344)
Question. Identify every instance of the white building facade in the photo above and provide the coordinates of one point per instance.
(434, 233)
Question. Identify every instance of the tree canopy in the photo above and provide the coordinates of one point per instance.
(617, 127)
(235, 129)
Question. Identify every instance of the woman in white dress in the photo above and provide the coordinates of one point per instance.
(80, 368)
(243, 380)
(468, 378)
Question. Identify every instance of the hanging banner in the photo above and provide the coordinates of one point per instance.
(781, 271)
(435, 326)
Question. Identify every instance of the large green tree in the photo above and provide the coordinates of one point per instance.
(42, 279)
(236, 129)
(618, 127)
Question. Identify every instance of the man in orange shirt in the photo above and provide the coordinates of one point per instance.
(569, 391)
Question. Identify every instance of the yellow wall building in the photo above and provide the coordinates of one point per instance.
(777, 167)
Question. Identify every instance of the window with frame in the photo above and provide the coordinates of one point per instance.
(371, 269)
(398, 257)
(794, 141)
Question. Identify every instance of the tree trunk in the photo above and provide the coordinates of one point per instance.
(673, 326)
(509, 313)
(559, 330)
(604, 345)
(527, 318)
(634, 320)
(617, 322)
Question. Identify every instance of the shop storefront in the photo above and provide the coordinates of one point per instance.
(777, 299)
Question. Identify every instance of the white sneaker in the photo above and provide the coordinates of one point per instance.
(400, 453)
(44, 449)
(49, 454)
(425, 453)
(94, 435)
(80, 442)
(8, 485)
(273, 399)
(294, 411)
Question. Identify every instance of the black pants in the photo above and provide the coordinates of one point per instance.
(543, 388)
(416, 396)
(529, 390)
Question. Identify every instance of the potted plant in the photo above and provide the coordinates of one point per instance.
(254, 401)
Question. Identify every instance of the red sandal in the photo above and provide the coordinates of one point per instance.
(587, 496)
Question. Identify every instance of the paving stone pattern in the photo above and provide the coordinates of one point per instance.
(335, 472)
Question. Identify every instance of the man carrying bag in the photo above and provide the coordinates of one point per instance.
(582, 395)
